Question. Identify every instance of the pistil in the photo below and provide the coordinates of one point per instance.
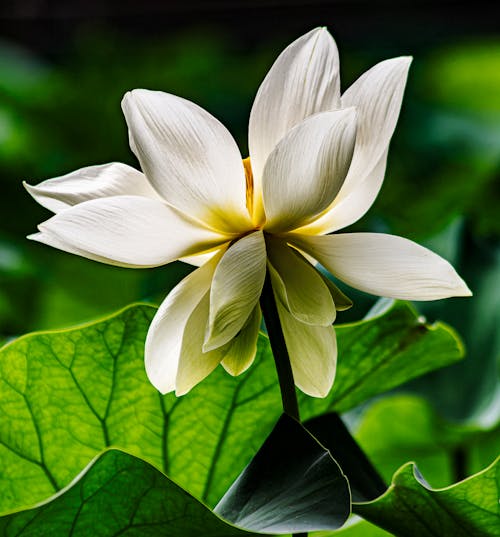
(249, 183)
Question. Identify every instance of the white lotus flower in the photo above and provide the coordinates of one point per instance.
(317, 163)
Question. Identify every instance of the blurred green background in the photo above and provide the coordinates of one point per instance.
(65, 66)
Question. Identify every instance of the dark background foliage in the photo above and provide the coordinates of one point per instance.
(64, 67)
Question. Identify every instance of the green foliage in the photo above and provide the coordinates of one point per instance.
(119, 494)
(57, 416)
(410, 507)
(361, 528)
(418, 433)
(470, 391)
(445, 156)
(67, 395)
(383, 352)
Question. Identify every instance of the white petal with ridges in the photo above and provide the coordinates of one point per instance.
(235, 356)
(341, 300)
(166, 332)
(54, 242)
(128, 231)
(307, 168)
(299, 286)
(352, 207)
(189, 156)
(194, 364)
(240, 352)
(312, 351)
(92, 182)
(303, 80)
(236, 288)
(377, 96)
(385, 265)
(201, 259)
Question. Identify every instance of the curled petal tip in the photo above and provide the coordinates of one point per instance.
(464, 290)
(319, 392)
(457, 286)
(127, 98)
(127, 95)
(404, 62)
(32, 190)
(156, 379)
(407, 61)
(179, 392)
(316, 30)
(403, 59)
(212, 342)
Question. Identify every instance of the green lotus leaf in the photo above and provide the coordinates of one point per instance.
(411, 507)
(67, 395)
(118, 494)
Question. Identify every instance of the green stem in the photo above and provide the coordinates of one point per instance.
(280, 352)
(348, 450)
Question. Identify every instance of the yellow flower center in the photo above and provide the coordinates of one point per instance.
(249, 182)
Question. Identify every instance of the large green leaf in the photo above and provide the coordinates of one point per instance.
(356, 527)
(382, 352)
(292, 485)
(411, 507)
(65, 396)
(126, 496)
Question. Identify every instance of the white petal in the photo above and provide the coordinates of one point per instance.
(52, 240)
(299, 286)
(194, 364)
(385, 265)
(166, 332)
(305, 171)
(236, 355)
(377, 96)
(127, 231)
(236, 288)
(341, 300)
(312, 351)
(303, 80)
(200, 259)
(240, 352)
(189, 156)
(351, 207)
(90, 183)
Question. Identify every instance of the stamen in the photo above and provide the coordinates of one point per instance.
(249, 182)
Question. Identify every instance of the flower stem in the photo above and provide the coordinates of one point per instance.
(350, 452)
(280, 352)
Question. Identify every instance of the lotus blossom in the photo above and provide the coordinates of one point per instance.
(317, 161)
